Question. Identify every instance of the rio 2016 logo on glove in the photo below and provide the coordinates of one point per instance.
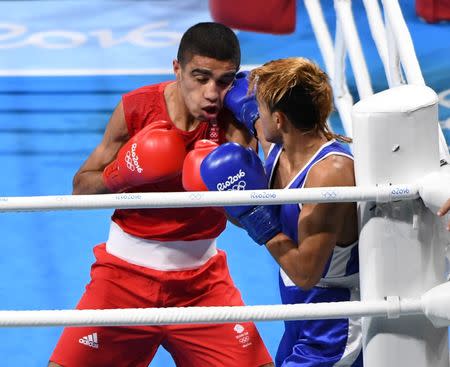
(132, 160)
(231, 180)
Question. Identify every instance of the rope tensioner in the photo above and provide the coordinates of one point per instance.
(380, 193)
(434, 304)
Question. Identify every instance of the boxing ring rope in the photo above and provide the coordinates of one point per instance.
(380, 193)
(392, 307)
(434, 304)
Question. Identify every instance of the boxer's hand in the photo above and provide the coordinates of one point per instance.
(243, 105)
(192, 180)
(233, 167)
(444, 209)
(154, 154)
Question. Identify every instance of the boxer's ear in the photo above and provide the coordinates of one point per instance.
(280, 119)
(176, 68)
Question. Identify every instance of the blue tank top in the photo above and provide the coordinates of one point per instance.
(342, 266)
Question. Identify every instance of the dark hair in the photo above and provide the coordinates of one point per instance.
(209, 39)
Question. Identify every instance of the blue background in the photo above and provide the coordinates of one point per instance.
(49, 125)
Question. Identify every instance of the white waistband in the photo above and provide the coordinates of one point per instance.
(174, 255)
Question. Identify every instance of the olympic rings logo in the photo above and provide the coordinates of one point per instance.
(239, 186)
(214, 133)
(129, 162)
(132, 159)
(244, 339)
(195, 197)
(329, 194)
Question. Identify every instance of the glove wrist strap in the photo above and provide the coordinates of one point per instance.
(261, 223)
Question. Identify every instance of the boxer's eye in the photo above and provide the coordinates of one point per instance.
(201, 79)
(225, 82)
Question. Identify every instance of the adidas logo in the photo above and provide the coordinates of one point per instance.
(90, 340)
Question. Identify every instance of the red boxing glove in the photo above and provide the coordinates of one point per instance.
(275, 16)
(192, 181)
(154, 154)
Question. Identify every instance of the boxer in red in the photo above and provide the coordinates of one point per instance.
(164, 257)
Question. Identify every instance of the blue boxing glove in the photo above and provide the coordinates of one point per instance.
(233, 167)
(243, 106)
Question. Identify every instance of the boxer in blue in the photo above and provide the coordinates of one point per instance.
(316, 245)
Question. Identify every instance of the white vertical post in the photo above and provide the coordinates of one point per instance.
(334, 59)
(322, 34)
(344, 15)
(394, 71)
(394, 17)
(342, 97)
(401, 245)
(378, 32)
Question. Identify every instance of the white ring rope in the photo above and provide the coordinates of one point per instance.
(195, 315)
(434, 304)
(381, 193)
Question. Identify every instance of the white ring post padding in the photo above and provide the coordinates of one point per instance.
(408, 57)
(381, 193)
(196, 315)
(434, 188)
(401, 247)
(436, 305)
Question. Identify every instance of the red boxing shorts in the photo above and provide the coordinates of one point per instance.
(119, 284)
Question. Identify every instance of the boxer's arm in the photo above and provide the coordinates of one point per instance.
(319, 227)
(237, 133)
(88, 179)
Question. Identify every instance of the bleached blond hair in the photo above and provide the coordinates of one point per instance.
(300, 89)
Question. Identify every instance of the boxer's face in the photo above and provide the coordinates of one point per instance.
(203, 83)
